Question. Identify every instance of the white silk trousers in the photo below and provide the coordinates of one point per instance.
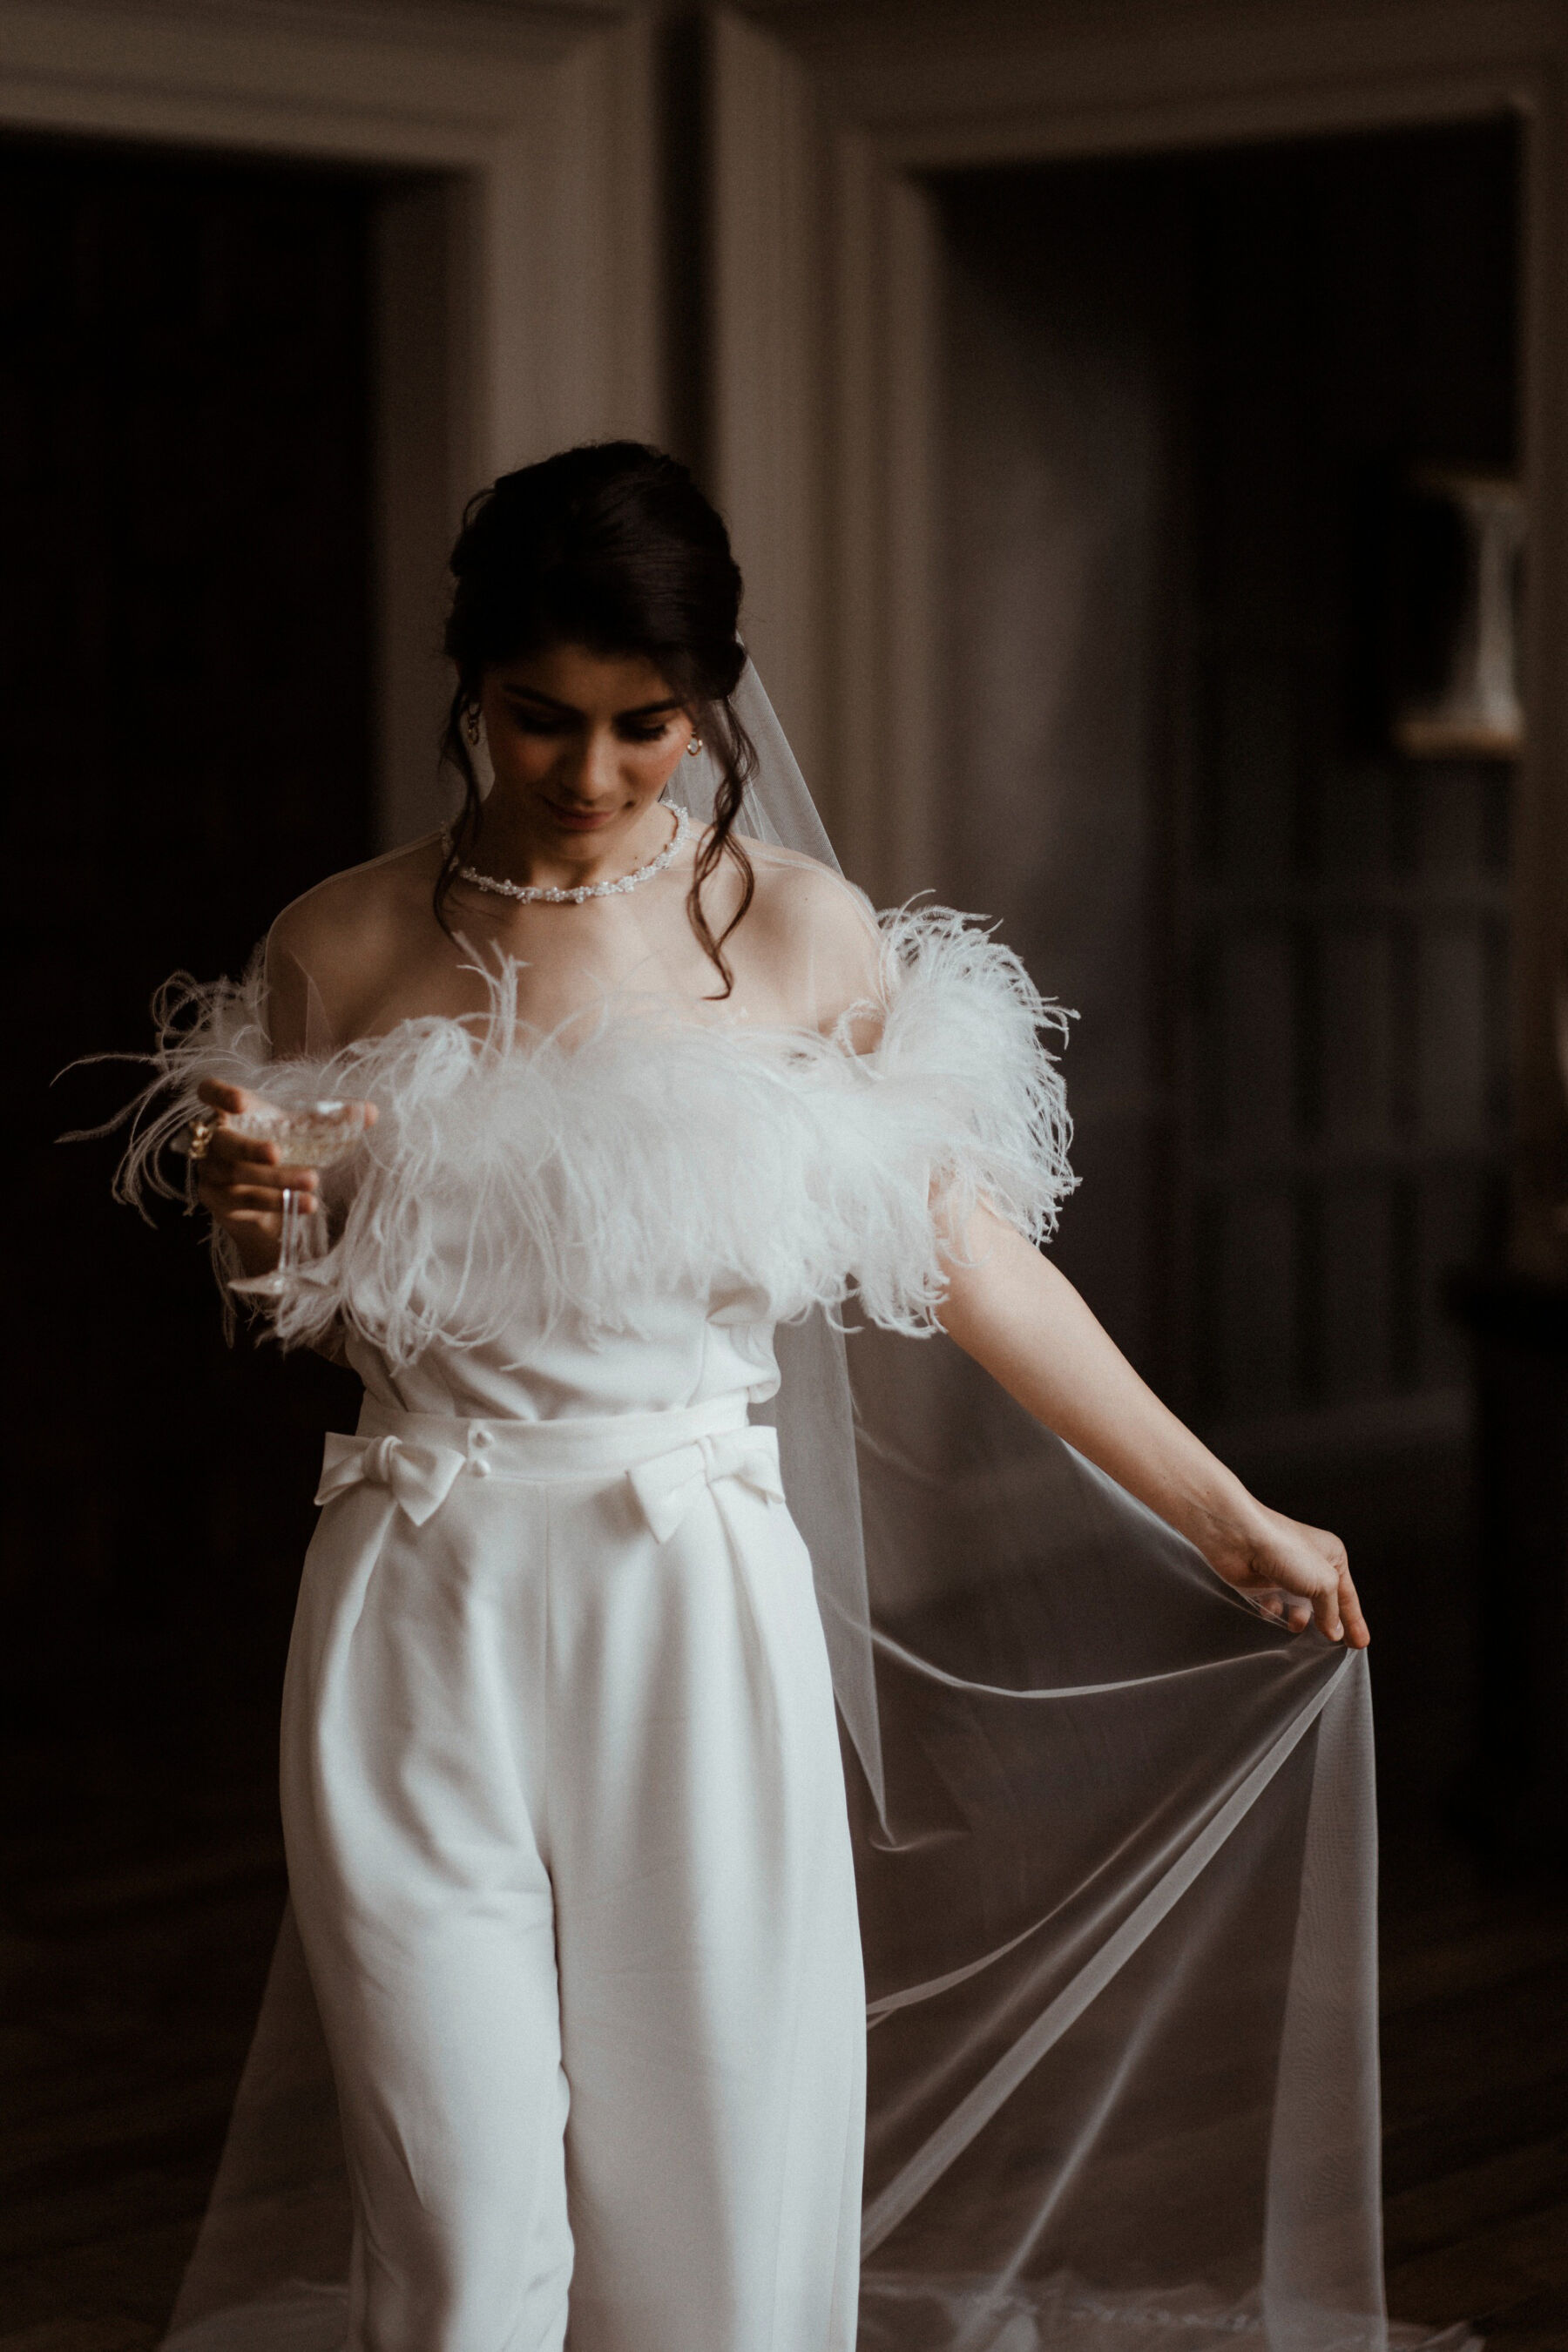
(569, 1851)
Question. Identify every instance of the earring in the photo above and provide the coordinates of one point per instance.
(693, 748)
(471, 723)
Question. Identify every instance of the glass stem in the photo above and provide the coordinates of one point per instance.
(289, 1237)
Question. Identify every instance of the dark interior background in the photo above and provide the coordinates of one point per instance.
(1289, 948)
(1187, 399)
(183, 634)
(185, 667)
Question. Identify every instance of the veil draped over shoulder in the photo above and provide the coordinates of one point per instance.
(1116, 1853)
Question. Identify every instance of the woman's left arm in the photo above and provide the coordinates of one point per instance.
(1008, 1307)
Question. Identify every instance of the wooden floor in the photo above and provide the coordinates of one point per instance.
(140, 1912)
(1475, 2057)
(139, 1916)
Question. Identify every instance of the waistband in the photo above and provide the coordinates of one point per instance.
(558, 1449)
(666, 1459)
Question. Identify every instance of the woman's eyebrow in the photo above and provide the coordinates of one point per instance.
(533, 694)
(570, 710)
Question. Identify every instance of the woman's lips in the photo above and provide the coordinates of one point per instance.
(579, 820)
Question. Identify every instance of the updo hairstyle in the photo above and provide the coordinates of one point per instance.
(611, 546)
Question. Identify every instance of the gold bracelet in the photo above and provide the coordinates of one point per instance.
(199, 1136)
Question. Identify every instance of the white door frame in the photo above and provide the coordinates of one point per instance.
(516, 263)
(825, 276)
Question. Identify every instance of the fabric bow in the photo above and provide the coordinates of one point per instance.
(420, 1477)
(669, 1486)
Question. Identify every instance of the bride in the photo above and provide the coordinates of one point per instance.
(579, 1967)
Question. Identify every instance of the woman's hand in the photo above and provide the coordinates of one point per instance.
(1293, 1571)
(242, 1181)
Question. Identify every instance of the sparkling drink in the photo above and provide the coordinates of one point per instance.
(311, 1135)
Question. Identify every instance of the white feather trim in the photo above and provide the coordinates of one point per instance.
(515, 1177)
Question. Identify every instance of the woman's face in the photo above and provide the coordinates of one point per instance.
(581, 744)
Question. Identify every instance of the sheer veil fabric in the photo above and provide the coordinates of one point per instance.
(1116, 1854)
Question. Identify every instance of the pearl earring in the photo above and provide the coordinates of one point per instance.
(693, 748)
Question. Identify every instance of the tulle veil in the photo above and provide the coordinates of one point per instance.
(1116, 1850)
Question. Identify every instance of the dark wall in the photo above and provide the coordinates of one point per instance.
(1183, 396)
(184, 699)
(1064, 319)
(1343, 914)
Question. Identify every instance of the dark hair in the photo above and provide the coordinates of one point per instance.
(611, 546)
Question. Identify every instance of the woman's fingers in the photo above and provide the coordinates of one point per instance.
(252, 1182)
(219, 1096)
(260, 1187)
(1357, 1632)
(1336, 1607)
(261, 1167)
(226, 1145)
(1300, 1574)
(1333, 1608)
(258, 1200)
(1289, 1608)
(241, 1180)
(237, 1158)
(251, 1221)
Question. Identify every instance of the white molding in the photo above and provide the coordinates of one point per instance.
(531, 261)
(893, 95)
(981, 81)
(885, 543)
(423, 324)
(769, 462)
(820, 458)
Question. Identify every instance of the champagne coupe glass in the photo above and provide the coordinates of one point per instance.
(313, 1135)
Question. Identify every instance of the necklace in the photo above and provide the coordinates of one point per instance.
(530, 892)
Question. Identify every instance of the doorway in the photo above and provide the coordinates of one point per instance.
(184, 629)
(187, 673)
(1179, 394)
(1187, 402)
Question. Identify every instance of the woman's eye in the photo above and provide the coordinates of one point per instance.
(645, 734)
(534, 722)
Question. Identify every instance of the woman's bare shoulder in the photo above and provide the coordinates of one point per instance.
(339, 943)
(810, 923)
(796, 892)
(349, 912)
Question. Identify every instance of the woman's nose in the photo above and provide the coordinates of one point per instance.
(592, 773)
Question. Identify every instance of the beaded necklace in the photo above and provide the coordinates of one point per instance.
(529, 892)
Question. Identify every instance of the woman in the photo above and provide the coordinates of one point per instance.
(568, 1839)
